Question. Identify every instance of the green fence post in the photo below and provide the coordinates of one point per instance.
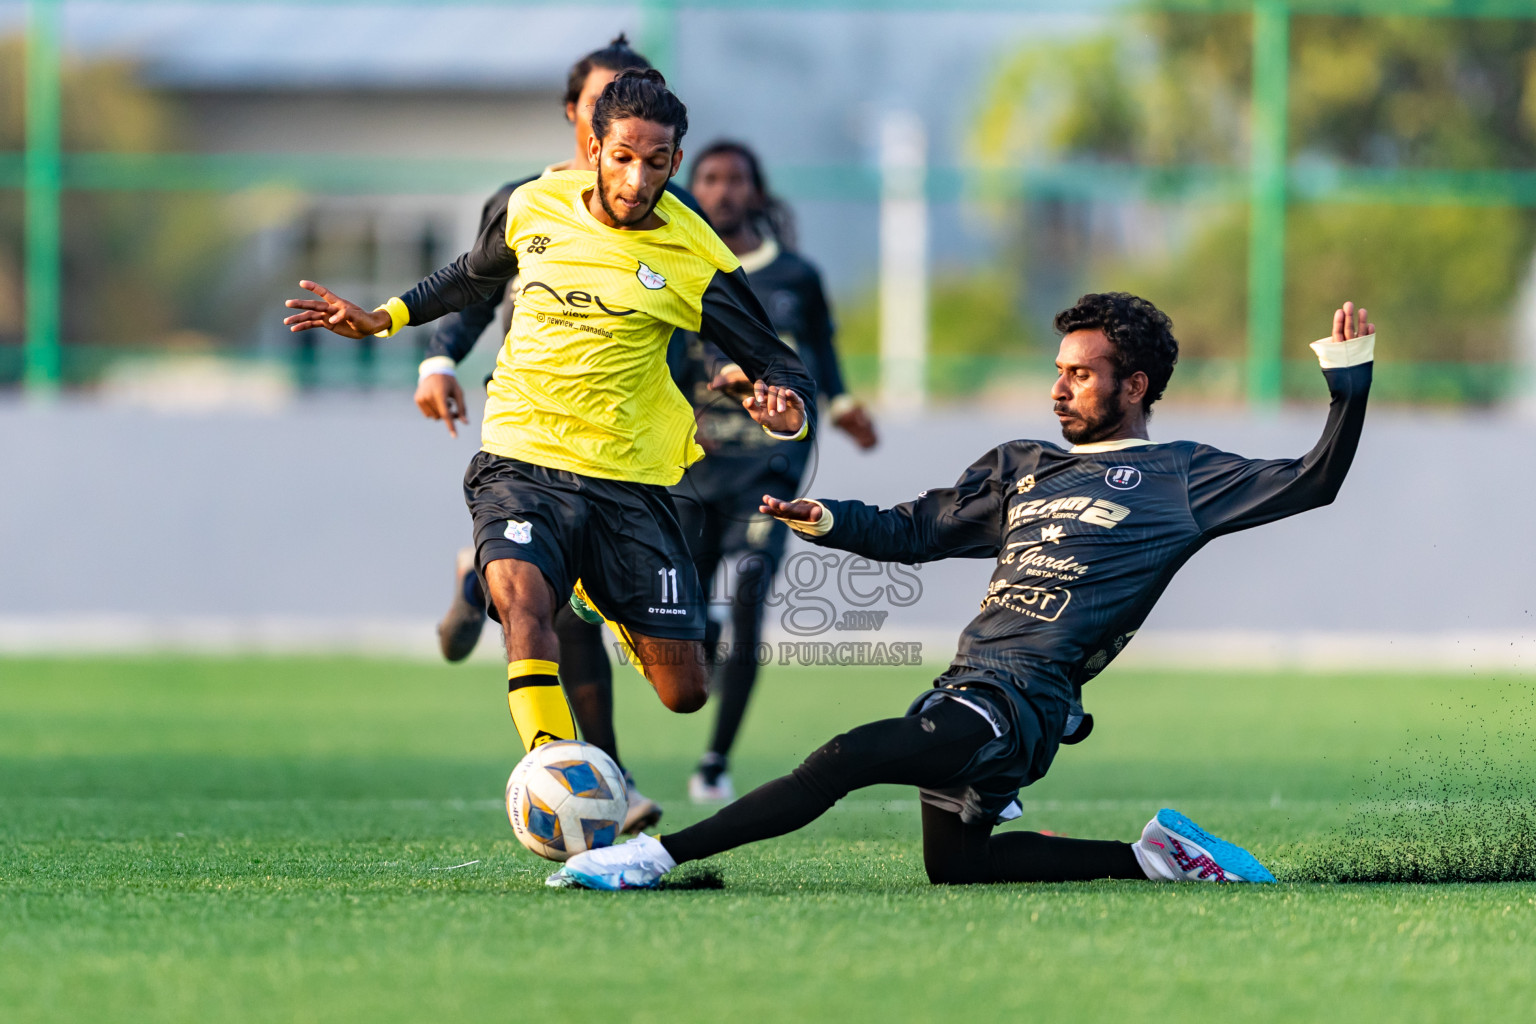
(43, 184)
(1267, 195)
(658, 28)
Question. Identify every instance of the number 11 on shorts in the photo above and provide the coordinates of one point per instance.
(668, 576)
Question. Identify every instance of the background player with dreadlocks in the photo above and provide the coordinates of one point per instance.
(718, 497)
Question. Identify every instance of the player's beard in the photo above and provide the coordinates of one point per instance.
(635, 218)
(1096, 422)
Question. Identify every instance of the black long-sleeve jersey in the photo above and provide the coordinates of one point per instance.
(790, 289)
(456, 333)
(1087, 539)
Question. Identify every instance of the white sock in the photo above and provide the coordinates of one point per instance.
(659, 852)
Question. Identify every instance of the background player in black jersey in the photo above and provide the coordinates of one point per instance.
(1085, 539)
(718, 497)
(585, 670)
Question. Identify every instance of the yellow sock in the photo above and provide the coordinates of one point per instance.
(537, 704)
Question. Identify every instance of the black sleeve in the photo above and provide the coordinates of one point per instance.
(475, 277)
(818, 337)
(963, 521)
(456, 333)
(734, 321)
(1228, 492)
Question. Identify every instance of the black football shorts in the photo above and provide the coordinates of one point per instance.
(620, 539)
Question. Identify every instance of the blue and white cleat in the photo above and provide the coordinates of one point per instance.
(1174, 849)
(637, 864)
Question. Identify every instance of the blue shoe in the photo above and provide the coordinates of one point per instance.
(637, 864)
(1174, 849)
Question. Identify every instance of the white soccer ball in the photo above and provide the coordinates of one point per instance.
(566, 797)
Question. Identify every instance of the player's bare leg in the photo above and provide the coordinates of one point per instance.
(674, 668)
(525, 604)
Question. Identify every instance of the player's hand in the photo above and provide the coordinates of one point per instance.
(334, 313)
(799, 511)
(439, 397)
(779, 409)
(1350, 323)
(857, 425)
(733, 381)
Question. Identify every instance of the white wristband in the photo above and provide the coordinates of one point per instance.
(1339, 355)
(436, 364)
(819, 528)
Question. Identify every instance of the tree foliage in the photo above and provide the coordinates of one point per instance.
(1412, 93)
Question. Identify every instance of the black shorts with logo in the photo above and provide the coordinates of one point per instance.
(620, 539)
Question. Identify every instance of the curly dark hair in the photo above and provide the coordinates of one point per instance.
(1141, 333)
(618, 55)
(642, 94)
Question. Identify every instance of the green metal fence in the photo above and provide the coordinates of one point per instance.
(1269, 183)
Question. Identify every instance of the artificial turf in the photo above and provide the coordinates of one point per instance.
(317, 840)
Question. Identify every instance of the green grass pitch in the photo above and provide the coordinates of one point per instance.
(323, 840)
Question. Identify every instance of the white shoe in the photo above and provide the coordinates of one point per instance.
(702, 792)
(1174, 849)
(637, 864)
(643, 812)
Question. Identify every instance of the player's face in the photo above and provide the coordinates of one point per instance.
(633, 165)
(722, 184)
(1087, 399)
(580, 112)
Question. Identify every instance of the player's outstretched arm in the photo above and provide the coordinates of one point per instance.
(1228, 492)
(963, 521)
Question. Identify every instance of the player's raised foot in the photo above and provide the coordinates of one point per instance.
(1174, 849)
(637, 864)
(460, 629)
(643, 811)
(711, 782)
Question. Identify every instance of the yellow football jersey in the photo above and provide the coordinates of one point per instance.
(581, 383)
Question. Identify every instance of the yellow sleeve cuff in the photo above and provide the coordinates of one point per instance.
(819, 528)
(799, 435)
(399, 316)
(1336, 355)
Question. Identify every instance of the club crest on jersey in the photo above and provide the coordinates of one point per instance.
(650, 278)
(1122, 478)
(518, 533)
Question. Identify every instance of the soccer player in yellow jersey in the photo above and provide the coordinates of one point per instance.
(584, 429)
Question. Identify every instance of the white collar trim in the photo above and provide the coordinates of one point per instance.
(760, 257)
(1109, 446)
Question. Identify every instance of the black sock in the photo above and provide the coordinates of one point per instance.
(587, 675)
(955, 853)
(917, 750)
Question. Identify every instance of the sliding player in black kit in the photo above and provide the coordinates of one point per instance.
(717, 498)
(1086, 539)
